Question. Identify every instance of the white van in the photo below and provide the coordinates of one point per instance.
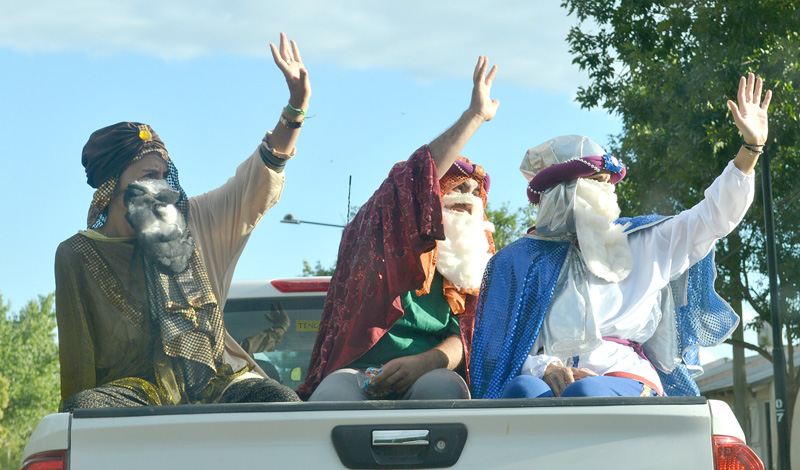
(301, 298)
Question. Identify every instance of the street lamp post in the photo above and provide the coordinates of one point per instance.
(289, 219)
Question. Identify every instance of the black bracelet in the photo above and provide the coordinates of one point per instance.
(754, 148)
(270, 160)
(291, 124)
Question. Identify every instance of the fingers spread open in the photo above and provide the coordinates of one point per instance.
(284, 47)
(740, 95)
(480, 70)
(492, 73)
(767, 99)
(751, 81)
(296, 52)
(737, 116)
(277, 57)
(757, 92)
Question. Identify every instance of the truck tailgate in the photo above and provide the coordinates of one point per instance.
(594, 433)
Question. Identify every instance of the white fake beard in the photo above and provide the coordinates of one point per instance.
(464, 252)
(603, 243)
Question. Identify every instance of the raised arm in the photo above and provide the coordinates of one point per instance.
(446, 147)
(750, 116)
(688, 237)
(287, 58)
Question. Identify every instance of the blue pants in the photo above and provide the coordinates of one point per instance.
(527, 386)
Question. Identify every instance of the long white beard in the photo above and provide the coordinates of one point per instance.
(464, 252)
(603, 243)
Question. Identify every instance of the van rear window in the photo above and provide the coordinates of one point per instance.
(288, 362)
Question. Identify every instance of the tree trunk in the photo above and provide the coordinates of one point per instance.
(740, 388)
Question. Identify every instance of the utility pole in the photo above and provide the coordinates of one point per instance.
(778, 357)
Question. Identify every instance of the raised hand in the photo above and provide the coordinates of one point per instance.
(445, 148)
(482, 104)
(287, 58)
(750, 115)
(278, 317)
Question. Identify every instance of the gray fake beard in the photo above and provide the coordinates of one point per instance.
(159, 225)
(463, 254)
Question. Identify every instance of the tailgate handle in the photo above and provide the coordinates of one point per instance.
(396, 437)
(391, 446)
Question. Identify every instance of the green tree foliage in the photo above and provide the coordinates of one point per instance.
(29, 363)
(509, 225)
(666, 68)
(317, 270)
(4, 396)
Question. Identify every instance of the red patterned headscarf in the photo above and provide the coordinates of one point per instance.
(461, 171)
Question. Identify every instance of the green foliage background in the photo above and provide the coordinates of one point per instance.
(29, 374)
(666, 68)
(509, 225)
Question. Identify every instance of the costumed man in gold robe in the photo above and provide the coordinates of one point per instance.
(140, 292)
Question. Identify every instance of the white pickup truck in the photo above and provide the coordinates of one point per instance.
(550, 433)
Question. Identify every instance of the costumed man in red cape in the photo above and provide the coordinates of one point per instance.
(399, 315)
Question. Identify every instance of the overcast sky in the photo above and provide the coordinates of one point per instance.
(430, 40)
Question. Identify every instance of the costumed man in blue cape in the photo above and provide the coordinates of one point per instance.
(588, 304)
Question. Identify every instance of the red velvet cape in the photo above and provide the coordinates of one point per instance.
(379, 259)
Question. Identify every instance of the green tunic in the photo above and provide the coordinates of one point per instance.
(427, 321)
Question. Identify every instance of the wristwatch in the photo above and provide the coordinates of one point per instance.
(291, 124)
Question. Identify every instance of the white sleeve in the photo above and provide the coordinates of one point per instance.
(685, 239)
(537, 365)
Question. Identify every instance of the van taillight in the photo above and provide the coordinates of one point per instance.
(731, 453)
(53, 460)
(301, 285)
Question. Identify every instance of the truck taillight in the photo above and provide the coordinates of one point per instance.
(53, 460)
(730, 453)
(291, 285)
